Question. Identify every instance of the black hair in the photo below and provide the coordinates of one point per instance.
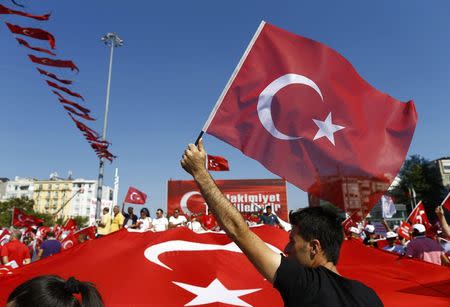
(146, 211)
(318, 223)
(53, 291)
(50, 234)
(160, 210)
(106, 209)
(268, 207)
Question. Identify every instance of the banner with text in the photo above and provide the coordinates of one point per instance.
(247, 195)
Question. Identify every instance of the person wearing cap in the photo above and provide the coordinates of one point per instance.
(391, 237)
(370, 240)
(354, 233)
(424, 248)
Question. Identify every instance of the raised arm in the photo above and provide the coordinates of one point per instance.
(441, 217)
(263, 258)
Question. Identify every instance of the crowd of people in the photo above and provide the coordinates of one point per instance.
(433, 247)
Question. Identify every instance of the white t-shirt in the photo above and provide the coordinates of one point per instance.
(178, 221)
(145, 223)
(160, 224)
(195, 226)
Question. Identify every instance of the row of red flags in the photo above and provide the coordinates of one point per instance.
(74, 109)
(417, 216)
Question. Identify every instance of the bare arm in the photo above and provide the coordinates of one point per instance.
(5, 259)
(442, 221)
(262, 257)
(39, 255)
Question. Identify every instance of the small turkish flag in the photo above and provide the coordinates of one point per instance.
(21, 219)
(53, 76)
(5, 10)
(54, 63)
(217, 163)
(301, 110)
(134, 196)
(70, 225)
(404, 230)
(446, 202)
(419, 216)
(34, 33)
(27, 45)
(64, 89)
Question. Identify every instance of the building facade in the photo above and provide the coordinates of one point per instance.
(17, 188)
(84, 202)
(53, 196)
(444, 169)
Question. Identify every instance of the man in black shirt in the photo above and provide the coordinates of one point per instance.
(308, 277)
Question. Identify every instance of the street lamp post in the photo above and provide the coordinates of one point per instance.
(111, 40)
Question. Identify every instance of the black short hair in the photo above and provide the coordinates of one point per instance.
(324, 225)
(145, 210)
(160, 210)
(268, 207)
(51, 290)
(50, 234)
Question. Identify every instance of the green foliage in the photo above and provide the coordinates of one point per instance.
(24, 204)
(82, 221)
(424, 176)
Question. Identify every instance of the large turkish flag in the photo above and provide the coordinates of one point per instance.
(181, 268)
(301, 109)
(21, 219)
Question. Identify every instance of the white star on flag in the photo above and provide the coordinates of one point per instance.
(215, 292)
(326, 128)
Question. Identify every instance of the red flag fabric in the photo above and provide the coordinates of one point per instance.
(72, 239)
(404, 230)
(4, 236)
(64, 89)
(25, 43)
(21, 219)
(217, 163)
(285, 107)
(54, 63)
(134, 196)
(73, 104)
(70, 225)
(53, 76)
(33, 32)
(419, 216)
(446, 202)
(5, 10)
(166, 259)
(82, 115)
(350, 222)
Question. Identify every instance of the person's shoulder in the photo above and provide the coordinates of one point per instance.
(362, 293)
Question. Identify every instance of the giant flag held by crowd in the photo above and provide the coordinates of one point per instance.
(301, 110)
(210, 270)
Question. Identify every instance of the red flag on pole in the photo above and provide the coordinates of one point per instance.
(25, 43)
(404, 230)
(134, 196)
(446, 202)
(54, 63)
(82, 115)
(64, 89)
(33, 32)
(419, 216)
(21, 219)
(72, 239)
(70, 225)
(285, 107)
(53, 76)
(4, 11)
(217, 163)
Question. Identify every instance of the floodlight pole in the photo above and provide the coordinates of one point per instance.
(111, 40)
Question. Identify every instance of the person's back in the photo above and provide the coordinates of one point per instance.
(425, 249)
(15, 251)
(50, 247)
(302, 286)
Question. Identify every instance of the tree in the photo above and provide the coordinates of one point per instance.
(24, 204)
(424, 177)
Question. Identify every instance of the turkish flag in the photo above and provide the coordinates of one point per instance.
(5, 10)
(419, 216)
(4, 236)
(209, 270)
(53, 76)
(21, 219)
(64, 89)
(446, 202)
(301, 110)
(33, 32)
(70, 225)
(82, 115)
(54, 63)
(25, 43)
(73, 104)
(217, 163)
(350, 222)
(405, 230)
(72, 239)
(134, 196)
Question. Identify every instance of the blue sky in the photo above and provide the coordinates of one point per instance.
(178, 56)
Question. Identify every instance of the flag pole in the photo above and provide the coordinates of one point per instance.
(199, 137)
(112, 40)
